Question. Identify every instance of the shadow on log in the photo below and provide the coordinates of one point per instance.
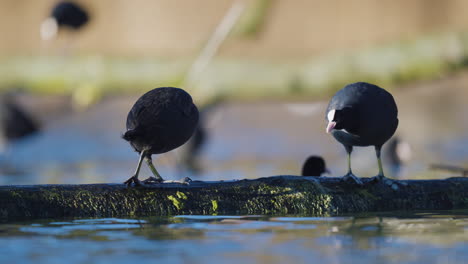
(271, 195)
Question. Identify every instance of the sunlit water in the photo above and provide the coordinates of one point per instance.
(393, 238)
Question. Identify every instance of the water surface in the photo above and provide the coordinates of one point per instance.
(422, 237)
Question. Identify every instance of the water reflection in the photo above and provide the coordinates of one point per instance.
(386, 238)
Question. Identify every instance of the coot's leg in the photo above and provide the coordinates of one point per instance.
(157, 178)
(349, 149)
(381, 177)
(350, 177)
(134, 178)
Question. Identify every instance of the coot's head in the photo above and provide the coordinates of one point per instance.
(64, 14)
(345, 118)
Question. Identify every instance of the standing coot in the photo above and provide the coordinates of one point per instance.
(314, 166)
(362, 114)
(160, 121)
(64, 14)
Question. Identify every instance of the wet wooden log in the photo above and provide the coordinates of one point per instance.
(271, 195)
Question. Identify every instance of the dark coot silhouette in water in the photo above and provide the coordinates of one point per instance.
(64, 14)
(16, 123)
(160, 121)
(314, 166)
(194, 146)
(397, 153)
(362, 114)
(192, 149)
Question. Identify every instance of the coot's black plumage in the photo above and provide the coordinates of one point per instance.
(362, 114)
(64, 14)
(314, 166)
(160, 121)
(15, 122)
(397, 152)
(69, 14)
(194, 146)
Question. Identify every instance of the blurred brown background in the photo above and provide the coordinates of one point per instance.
(286, 29)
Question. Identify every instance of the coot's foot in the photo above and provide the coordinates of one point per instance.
(394, 184)
(352, 179)
(133, 179)
(153, 180)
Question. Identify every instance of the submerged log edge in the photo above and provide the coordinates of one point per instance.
(264, 196)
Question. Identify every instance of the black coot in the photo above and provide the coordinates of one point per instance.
(160, 121)
(16, 123)
(397, 153)
(362, 114)
(192, 150)
(64, 14)
(194, 146)
(70, 14)
(314, 166)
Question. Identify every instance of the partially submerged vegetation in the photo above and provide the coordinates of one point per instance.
(265, 196)
(88, 78)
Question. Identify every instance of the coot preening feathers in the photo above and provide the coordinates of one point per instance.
(64, 14)
(160, 121)
(314, 166)
(362, 114)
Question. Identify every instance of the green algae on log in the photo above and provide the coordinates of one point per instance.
(270, 195)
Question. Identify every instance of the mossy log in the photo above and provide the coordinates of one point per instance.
(270, 195)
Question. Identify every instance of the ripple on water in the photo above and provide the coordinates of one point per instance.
(65, 228)
(414, 238)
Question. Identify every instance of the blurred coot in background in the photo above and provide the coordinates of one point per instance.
(64, 15)
(396, 153)
(16, 122)
(314, 166)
